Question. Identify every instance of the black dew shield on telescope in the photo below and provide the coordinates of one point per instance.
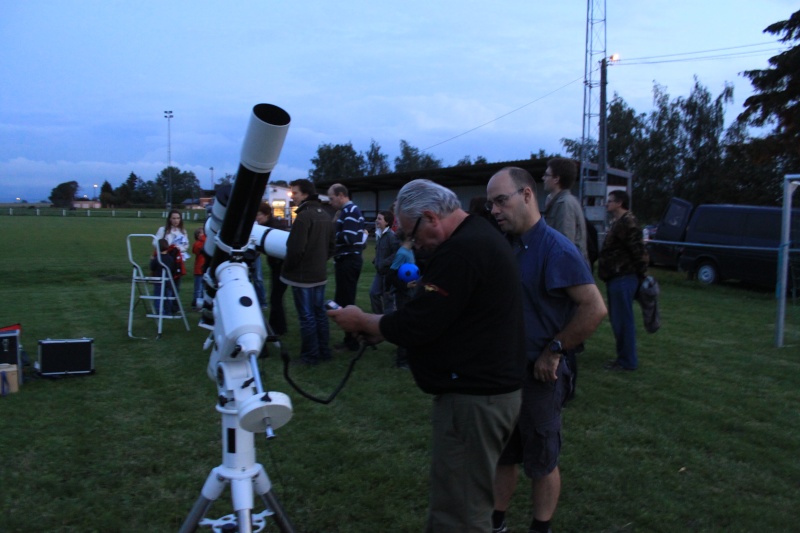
(262, 145)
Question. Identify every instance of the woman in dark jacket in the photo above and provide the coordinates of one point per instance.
(381, 294)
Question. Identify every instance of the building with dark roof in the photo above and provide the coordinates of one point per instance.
(376, 193)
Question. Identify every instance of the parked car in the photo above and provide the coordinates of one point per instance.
(649, 232)
(736, 242)
(671, 228)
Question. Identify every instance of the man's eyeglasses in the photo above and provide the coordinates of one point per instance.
(500, 201)
(413, 235)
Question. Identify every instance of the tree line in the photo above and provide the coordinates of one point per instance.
(136, 191)
(680, 148)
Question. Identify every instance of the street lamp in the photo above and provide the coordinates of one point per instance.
(95, 191)
(602, 137)
(168, 115)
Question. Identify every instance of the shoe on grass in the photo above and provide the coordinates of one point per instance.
(615, 366)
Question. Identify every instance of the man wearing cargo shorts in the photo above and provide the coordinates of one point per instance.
(562, 308)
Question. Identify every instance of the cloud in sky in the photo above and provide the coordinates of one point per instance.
(86, 82)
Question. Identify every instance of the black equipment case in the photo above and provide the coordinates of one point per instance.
(11, 351)
(58, 357)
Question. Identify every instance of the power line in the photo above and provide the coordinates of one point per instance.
(704, 51)
(752, 53)
(632, 62)
(503, 115)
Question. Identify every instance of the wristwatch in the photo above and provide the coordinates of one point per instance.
(555, 346)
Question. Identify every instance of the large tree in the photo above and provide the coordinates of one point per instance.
(63, 194)
(776, 101)
(376, 161)
(541, 153)
(700, 142)
(336, 162)
(124, 194)
(227, 179)
(467, 161)
(626, 131)
(412, 158)
(106, 194)
(751, 173)
(658, 165)
(675, 150)
(573, 147)
(185, 185)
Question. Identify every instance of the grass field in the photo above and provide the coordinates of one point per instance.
(704, 437)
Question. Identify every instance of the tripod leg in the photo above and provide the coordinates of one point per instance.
(199, 510)
(244, 521)
(263, 486)
(242, 495)
(279, 515)
(212, 489)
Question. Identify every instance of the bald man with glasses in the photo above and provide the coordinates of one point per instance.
(562, 308)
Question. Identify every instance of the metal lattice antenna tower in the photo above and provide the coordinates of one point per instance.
(593, 185)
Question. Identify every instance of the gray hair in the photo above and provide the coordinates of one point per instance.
(424, 195)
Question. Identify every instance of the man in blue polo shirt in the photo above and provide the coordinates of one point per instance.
(562, 308)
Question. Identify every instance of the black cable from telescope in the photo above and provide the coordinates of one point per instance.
(287, 361)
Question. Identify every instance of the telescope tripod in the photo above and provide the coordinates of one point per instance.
(245, 409)
(242, 486)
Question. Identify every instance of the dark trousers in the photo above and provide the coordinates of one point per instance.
(314, 329)
(277, 315)
(401, 296)
(621, 291)
(348, 270)
(170, 307)
(257, 275)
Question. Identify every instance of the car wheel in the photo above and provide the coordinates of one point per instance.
(707, 273)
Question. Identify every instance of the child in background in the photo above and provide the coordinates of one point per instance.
(403, 290)
(199, 268)
(168, 255)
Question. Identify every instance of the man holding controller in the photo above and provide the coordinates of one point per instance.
(464, 334)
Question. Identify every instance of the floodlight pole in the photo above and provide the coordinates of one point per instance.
(168, 115)
(790, 183)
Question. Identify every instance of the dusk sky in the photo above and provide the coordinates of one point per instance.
(86, 83)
